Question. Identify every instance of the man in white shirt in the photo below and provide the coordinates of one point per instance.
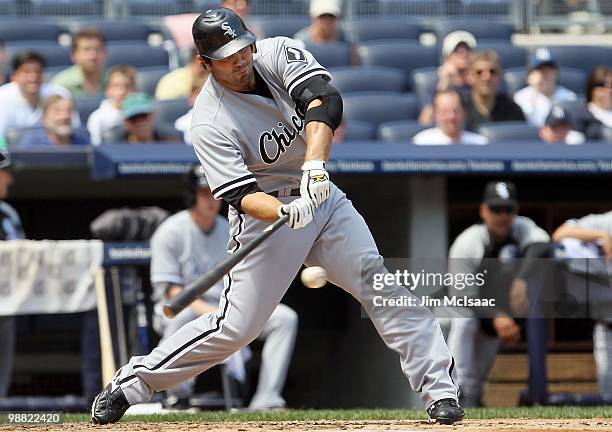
(542, 91)
(21, 100)
(557, 128)
(449, 114)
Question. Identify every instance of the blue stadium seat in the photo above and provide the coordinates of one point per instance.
(398, 54)
(509, 131)
(586, 58)
(8, 7)
(148, 77)
(573, 79)
(66, 7)
(331, 54)
(85, 105)
(364, 30)
(137, 55)
(401, 130)
(356, 130)
(380, 107)
(16, 30)
(270, 26)
(153, 7)
(481, 29)
(127, 30)
(510, 55)
(282, 8)
(167, 111)
(367, 78)
(480, 8)
(424, 84)
(412, 7)
(55, 55)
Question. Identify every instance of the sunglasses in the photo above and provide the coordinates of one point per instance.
(492, 72)
(498, 209)
(605, 84)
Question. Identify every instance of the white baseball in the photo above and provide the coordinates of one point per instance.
(314, 277)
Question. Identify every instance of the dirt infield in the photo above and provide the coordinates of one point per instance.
(505, 425)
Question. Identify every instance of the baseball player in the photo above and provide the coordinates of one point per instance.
(262, 128)
(594, 231)
(185, 246)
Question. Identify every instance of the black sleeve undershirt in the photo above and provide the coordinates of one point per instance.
(234, 196)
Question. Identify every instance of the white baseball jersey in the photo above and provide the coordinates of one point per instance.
(245, 138)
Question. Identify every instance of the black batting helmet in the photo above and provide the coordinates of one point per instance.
(194, 178)
(219, 33)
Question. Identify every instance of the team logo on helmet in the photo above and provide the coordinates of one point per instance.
(501, 189)
(228, 29)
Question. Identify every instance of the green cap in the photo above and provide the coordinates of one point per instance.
(135, 104)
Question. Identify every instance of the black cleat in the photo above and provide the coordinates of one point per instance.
(109, 406)
(445, 411)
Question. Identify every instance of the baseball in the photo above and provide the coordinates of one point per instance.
(314, 277)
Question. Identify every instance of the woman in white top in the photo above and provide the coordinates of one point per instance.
(599, 95)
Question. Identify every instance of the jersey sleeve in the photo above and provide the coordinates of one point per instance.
(223, 163)
(596, 221)
(165, 265)
(295, 64)
(529, 233)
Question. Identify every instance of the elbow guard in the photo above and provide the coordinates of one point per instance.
(329, 112)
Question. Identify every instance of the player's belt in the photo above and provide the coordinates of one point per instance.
(285, 192)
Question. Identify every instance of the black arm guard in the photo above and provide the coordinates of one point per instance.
(317, 87)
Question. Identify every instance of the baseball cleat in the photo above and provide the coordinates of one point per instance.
(109, 406)
(445, 411)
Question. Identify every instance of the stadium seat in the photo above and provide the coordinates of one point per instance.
(380, 107)
(481, 29)
(331, 54)
(282, 8)
(368, 78)
(153, 7)
(510, 55)
(148, 77)
(401, 130)
(586, 58)
(509, 131)
(424, 84)
(356, 130)
(55, 55)
(480, 8)
(167, 111)
(412, 7)
(364, 30)
(137, 56)
(116, 30)
(398, 54)
(65, 7)
(85, 105)
(573, 79)
(8, 7)
(15, 30)
(267, 26)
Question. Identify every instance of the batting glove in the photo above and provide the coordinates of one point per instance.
(315, 182)
(300, 212)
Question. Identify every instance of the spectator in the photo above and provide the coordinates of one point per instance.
(3, 76)
(542, 91)
(325, 18)
(456, 49)
(557, 128)
(184, 247)
(56, 129)
(178, 83)
(241, 7)
(86, 76)
(183, 123)
(121, 82)
(10, 229)
(485, 103)
(594, 232)
(21, 100)
(491, 249)
(597, 114)
(138, 121)
(449, 113)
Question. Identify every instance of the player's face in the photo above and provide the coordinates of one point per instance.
(498, 219)
(449, 114)
(484, 77)
(236, 71)
(58, 117)
(6, 179)
(89, 54)
(206, 205)
(29, 78)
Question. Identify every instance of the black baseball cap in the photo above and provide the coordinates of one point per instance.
(557, 115)
(500, 193)
(5, 160)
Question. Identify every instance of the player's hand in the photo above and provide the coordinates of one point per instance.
(300, 212)
(315, 182)
(519, 302)
(506, 329)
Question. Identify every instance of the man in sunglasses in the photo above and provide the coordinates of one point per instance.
(485, 103)
(490, 249)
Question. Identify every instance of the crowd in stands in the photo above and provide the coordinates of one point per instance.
(472, 88)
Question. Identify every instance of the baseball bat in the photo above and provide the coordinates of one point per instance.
(198, 287)
(106, 343)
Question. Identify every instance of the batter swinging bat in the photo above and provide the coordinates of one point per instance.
(211, 277)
